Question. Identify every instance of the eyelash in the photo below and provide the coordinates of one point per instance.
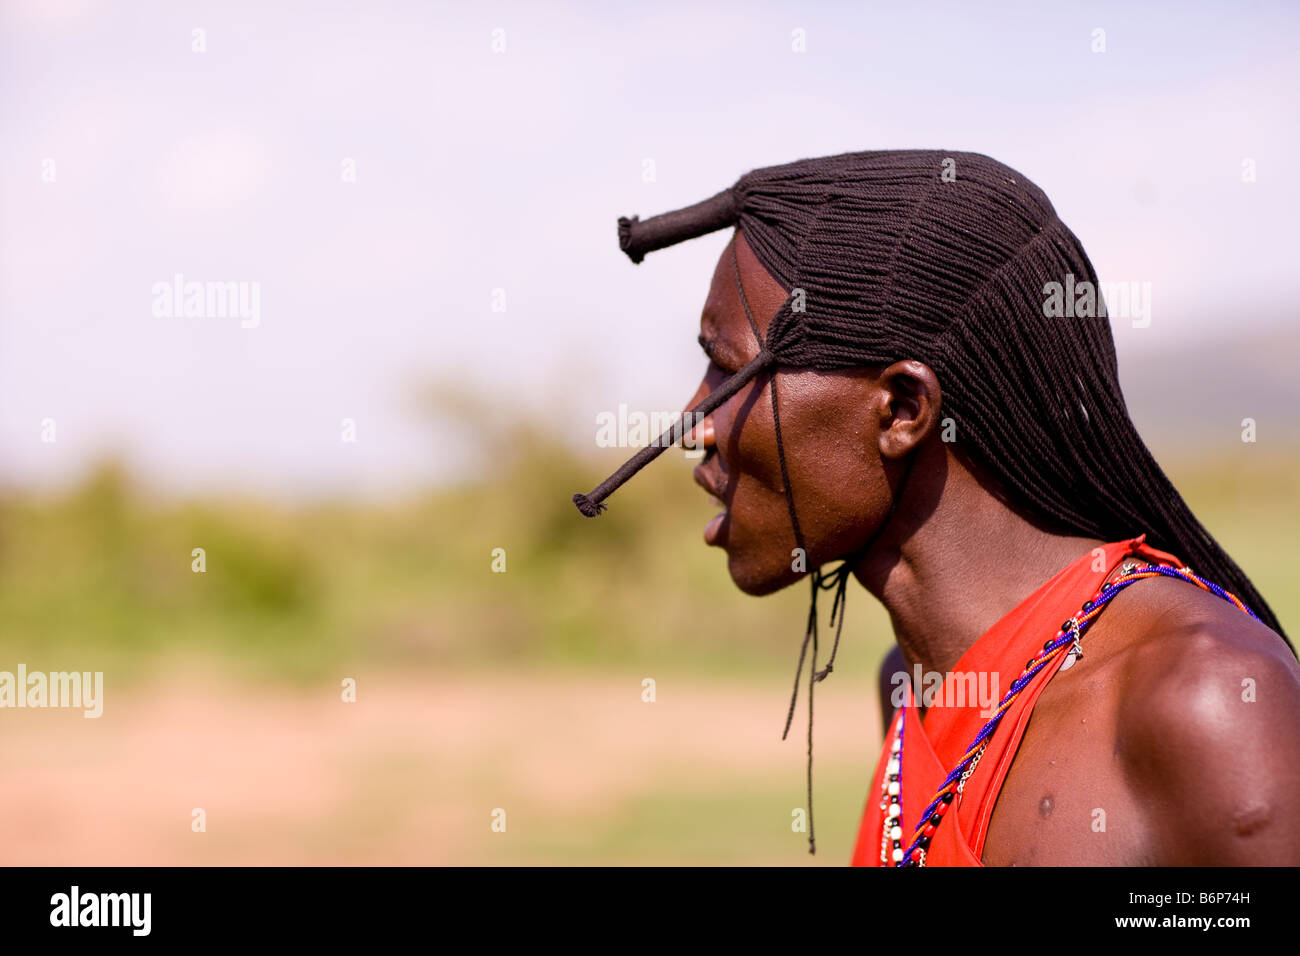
(713, 360)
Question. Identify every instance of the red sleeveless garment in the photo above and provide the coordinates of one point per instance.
(932, 749)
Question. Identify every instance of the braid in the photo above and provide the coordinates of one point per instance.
(946, 257)
(887, 259)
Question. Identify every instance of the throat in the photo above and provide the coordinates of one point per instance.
(940, 603)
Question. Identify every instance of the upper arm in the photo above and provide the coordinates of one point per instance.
(1209, 735)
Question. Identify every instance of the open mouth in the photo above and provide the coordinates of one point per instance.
(713, 531)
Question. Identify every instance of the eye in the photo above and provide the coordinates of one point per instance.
(711, 352)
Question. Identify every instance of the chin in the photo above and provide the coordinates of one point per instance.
(758, 581)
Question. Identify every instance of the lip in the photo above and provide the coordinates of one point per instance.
(716, 527)
(706, 481)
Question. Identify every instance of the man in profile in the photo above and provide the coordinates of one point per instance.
(886, 389)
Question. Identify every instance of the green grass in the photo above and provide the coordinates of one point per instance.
(101, 577)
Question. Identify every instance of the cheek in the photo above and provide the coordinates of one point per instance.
(840, 488)
(840, 491)
(841, 495)
(746, 439)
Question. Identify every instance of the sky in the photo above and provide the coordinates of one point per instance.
(424, 196)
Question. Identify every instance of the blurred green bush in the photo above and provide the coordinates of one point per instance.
(101, 576)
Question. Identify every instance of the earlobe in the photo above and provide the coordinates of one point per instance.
(910, 406)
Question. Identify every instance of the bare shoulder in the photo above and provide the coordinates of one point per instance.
(1208, 729)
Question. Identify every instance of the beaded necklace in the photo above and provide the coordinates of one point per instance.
(1070, 633)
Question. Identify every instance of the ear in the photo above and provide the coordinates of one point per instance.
(909, 405)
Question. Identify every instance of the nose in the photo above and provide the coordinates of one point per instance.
(702, 435)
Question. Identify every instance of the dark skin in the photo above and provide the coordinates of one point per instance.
(1149, 725)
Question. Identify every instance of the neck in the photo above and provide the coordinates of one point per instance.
(955, 560)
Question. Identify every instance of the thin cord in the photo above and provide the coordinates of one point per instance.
(836, 580)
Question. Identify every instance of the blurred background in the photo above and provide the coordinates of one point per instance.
(426, 195)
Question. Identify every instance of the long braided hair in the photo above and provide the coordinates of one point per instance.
(888, 258)
(946, 258)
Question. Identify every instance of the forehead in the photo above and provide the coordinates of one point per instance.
(723, 317)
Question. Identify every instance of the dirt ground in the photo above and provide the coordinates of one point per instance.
(417, 770)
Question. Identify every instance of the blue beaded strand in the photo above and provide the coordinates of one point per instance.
(1074, 630)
